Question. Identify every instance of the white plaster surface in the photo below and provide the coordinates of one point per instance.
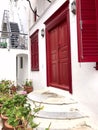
(63, 116)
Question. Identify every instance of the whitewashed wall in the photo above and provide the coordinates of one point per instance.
(8, 64)
(84, 75)
(18, 12)
(39, 77)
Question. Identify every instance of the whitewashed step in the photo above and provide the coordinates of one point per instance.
(60, 109)
(49, 97)
(60, 124)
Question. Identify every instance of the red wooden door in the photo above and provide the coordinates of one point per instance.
(59, 56)
(58, 49)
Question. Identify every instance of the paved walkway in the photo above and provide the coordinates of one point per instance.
(60, 109)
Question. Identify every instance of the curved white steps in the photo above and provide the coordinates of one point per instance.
(60, 109)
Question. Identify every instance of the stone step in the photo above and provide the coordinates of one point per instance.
(49, 97)
(60, 115)
(60, 109)
(61, 124)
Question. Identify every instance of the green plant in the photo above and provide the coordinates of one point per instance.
(48, 127)
(27, 83)
(28, 86)
(19, 99)
(19, 112)
(6, 107)
(3, 44)
(3, 98)
(19, 116)
(4, 86)
(10, 103)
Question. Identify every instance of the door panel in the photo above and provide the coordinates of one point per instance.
(58, 49)
(59, 57)
(54, 56)
(63, 54)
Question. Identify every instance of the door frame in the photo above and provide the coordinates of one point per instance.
(60, 15)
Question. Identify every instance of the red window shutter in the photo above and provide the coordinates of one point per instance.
(34, 52)
(87, 30)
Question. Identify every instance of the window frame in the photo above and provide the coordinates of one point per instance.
(34, 51)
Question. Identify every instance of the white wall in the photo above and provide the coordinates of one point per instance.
(8, 63)
(39, 77)
(22, 15)
(84, 75)
(17, 13)
(41, 6)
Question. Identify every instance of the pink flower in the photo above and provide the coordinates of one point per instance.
(23, 92)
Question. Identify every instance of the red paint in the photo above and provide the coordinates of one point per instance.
(34, 52)
(87, 25)
(58, 49)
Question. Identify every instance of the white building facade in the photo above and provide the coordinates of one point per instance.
(14, 58)
(82, 76)
(55, 58)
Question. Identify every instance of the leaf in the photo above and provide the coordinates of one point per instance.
(48, 127)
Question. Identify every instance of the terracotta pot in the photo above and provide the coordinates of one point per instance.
(13, 89)
(3, 119)
(9, 127)
(28, 89)
(0, 108)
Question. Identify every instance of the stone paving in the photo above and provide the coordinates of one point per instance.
(60, 109)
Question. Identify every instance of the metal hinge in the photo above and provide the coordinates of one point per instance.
(81, 27)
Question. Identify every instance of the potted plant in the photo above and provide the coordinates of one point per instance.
(4, 86)
(7, 87)
(28, 87)
(5, 109)
(13, 88)
(21, 118)
(8, 106)
(19, 113)
(3, 98)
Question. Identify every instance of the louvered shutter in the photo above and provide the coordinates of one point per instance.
(87, 30)
(34, 52)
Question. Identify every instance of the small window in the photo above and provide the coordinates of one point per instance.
(34, 52)
(21, 62)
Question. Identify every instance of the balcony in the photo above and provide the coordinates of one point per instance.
(13, 40)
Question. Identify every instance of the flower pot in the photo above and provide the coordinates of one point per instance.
(0, 108)
(9, 127)
(13, 89)
(28, 89)
(4, 119)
